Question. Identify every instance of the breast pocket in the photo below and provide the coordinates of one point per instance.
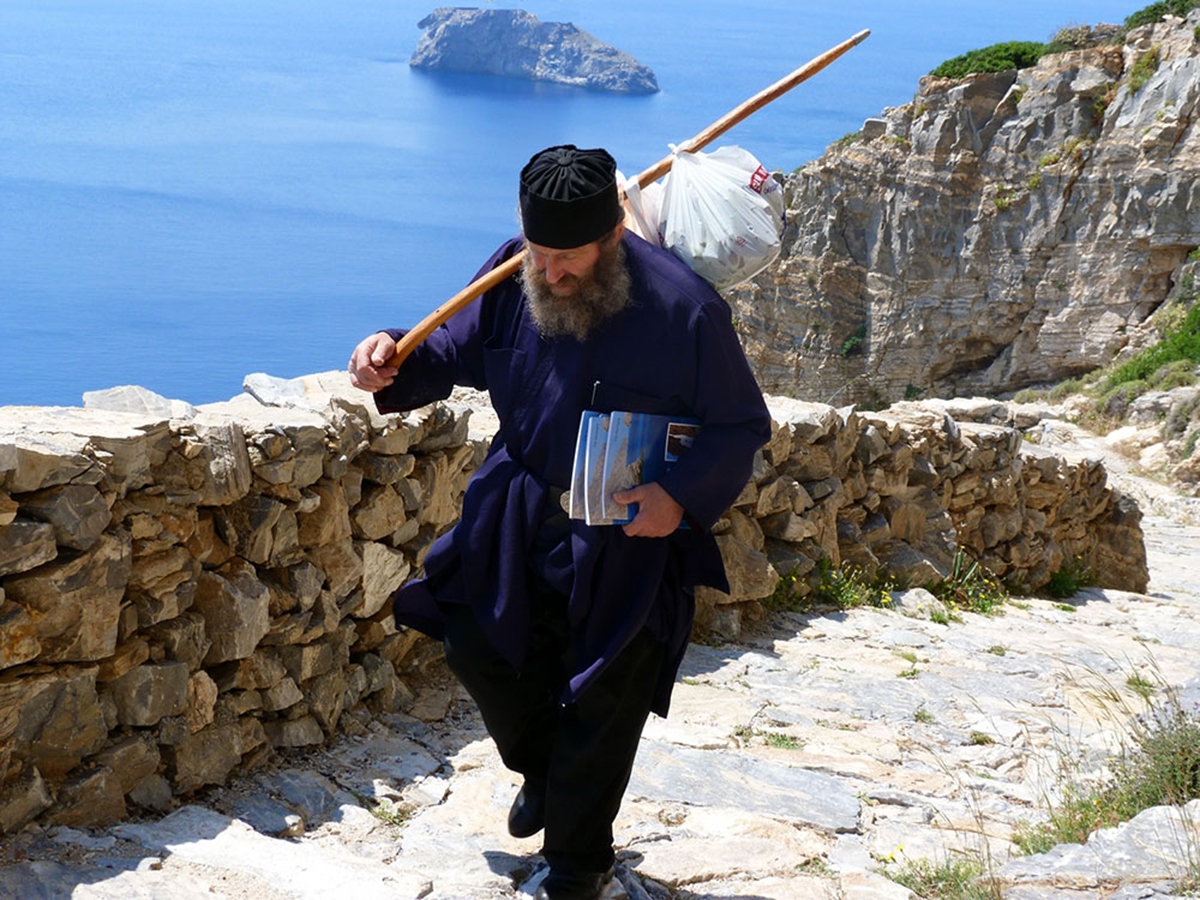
(607, 397)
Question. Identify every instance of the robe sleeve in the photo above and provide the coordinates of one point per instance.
(452, 355)
(734, 422)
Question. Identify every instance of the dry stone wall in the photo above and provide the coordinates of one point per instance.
(186, 592)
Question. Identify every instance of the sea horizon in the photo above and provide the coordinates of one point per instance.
(193, 192)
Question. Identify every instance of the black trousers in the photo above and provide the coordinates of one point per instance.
(580, 753)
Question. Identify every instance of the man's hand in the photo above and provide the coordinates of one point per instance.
(658, 514)
(368, 363)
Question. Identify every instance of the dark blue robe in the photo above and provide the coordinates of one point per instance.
(673, 351)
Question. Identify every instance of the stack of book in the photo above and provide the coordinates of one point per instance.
(619, 450)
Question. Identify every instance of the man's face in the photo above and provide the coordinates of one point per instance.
(569, 292)
(565, 270)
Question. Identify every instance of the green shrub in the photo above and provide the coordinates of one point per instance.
(1170, 316)
(1182, 343)
(854, 343)
(847, 139)
(1073, 37)
(970, 586)
(1143, 70)
(1072, 576)
(954, 879)
(1180, 373)
(1180, 418)
(1065, 389)
(848, 587)
(996, 58)
(1100, 106)
(1114, 402)
(785, 597)
(1189, 446)
(1158, 765)
(1155, 11)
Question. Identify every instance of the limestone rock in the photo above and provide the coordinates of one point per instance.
(147, 694)
(302, 732)
(1132, 848)
(384, 570)
(236, 611)
(162, 584)
(8, 509)
(35, 461)
(907, 564)
(129, 655)
(918, 603)
(57, 719)
(343, 567)
(77, 512)
(206, 757)
(751, 576)
(132, 398)
(76, 601)
(378, 514)
(218, 466)
(182, 638)
(261, 529)
(91, 800)
(18, 634)
(154, 792)
(129, 445)
(1121, 549)
(22, 800)
(798, 795)
(515, 44)
(329, 522)
(25, 545)
(131, 760)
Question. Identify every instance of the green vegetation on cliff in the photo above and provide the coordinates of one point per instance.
(1022, 54)
(1180, 344)
(996, 58)
(1155, 12)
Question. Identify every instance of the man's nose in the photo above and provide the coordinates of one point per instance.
(554, 271)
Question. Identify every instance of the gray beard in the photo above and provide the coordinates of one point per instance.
(600, 296)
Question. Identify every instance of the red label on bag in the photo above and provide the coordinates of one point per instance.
(758, 179)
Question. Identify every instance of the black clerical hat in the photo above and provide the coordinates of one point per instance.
(569, 197)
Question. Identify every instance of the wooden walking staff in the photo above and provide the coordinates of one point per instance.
(486, 282)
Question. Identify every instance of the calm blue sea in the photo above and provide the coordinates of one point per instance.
(192, 190)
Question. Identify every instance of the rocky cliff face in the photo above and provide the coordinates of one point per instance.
(516, 44)
(997, 232)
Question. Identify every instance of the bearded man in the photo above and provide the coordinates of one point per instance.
(568, 635)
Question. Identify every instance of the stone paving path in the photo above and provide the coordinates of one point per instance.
(801, 763)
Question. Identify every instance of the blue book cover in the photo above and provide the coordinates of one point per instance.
(641, 448)
(577, 508)
(594, 458)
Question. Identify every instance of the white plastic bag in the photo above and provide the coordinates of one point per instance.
(722, 214)
(643, 205)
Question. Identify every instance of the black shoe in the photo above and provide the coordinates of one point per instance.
(562, 885)
(527, 816)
